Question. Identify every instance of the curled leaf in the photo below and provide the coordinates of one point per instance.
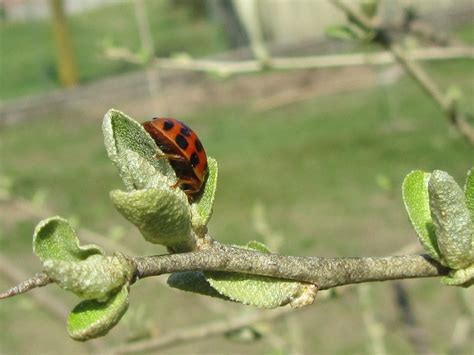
(452, 220)
(55, 239)
(193, 281)
(162, 215)
(462, 277)
(202, 209)
(141, 174)
(122, 133)
(91, 319)
(259, 291)
(93, 278)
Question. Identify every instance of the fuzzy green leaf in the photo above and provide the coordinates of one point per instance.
(416, 199)
(462, 277)
(143, 175)
(54, 239)
(91, 319)
(193, 281)
(259, 291)
(122, 133)
(162, 215)
(469, 192)
(452, 220)
(94, 278)
(202, 209)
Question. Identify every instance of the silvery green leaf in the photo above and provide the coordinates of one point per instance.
(142, 175)
(469, 192)
(202, 209)
(91, 319)
(260, 291)
(122, 133)
(416, 199)
(161, 214)
(93, 278)
(452, 220)
(462, 277)
(54, 239)
(193, 281)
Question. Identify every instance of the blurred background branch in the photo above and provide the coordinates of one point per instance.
(446, 104)
(68, 73)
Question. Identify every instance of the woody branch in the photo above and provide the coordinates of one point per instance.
(326, 273)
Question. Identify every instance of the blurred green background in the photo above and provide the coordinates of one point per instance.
(321, 163)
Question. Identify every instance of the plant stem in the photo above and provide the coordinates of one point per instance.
(38, 280)
(324, 272)
(448, 106)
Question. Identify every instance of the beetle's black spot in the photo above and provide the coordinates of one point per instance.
(185, 131)
(181, 141)
(194, 159)
(167, 125)
(198, 145)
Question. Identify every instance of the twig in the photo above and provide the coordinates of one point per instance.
(324, 272)
(38, 280)
(448, 106)
(16, 275)
(307, 62)
(201, 331)
(292, 63)
(47, 301)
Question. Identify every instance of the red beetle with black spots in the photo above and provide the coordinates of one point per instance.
(184, 151)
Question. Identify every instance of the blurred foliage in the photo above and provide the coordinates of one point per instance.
(196, 8)
(28, 53)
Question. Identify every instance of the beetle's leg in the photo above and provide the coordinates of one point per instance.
(175, 157)
(187, 185)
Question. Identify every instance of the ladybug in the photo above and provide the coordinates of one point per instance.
(184, 151)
